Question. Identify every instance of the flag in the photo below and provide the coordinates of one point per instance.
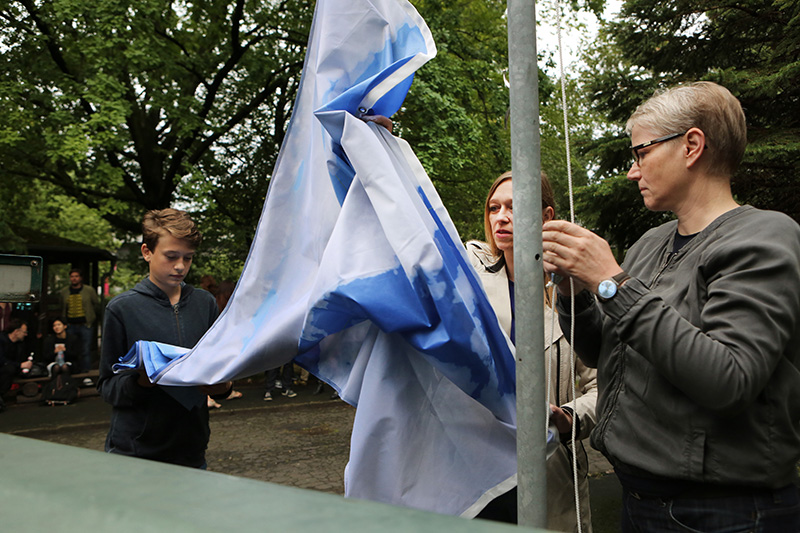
(357, 273)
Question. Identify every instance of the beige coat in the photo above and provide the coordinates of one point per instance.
(581, 399)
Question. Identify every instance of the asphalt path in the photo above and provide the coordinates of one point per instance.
(301, 442)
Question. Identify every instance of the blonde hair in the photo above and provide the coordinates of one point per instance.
(704, 105)
(173, 221)
(548, 200)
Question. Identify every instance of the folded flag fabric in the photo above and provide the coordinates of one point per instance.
(357, 273)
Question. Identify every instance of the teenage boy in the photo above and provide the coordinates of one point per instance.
(146, 421)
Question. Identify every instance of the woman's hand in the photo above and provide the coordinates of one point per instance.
(562, 419)
(574, 252)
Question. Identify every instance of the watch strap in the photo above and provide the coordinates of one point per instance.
(621, 278)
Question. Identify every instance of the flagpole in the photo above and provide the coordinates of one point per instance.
(529, 290)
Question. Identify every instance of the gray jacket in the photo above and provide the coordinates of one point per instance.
(698, 354)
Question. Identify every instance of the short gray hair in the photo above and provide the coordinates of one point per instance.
(704, 105)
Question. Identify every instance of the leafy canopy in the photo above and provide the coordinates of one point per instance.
(752, 47)
(121, 106)
(131, 105)
(456, 116)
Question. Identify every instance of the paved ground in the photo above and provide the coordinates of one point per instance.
(302, 442)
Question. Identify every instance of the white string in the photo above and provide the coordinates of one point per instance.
(549, 346)
(571, 281)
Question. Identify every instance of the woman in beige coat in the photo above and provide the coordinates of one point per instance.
(494, 262)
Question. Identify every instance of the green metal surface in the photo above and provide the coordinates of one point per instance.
(51, 487)
(20, 278)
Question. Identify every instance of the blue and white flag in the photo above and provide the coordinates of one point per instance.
(358, 274)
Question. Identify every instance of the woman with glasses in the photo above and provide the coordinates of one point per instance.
(696, 336)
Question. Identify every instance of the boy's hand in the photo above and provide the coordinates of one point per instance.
(143, 380)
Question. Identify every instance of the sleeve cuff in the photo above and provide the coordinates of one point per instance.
(626, 297)
(567, 437)
(583, 301)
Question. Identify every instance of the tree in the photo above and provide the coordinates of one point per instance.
(456, 115)
(127, 106)
(752, 47)
(41, 206)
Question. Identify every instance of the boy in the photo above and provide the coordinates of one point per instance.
(146, 421)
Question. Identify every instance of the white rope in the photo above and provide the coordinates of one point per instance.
(571, 281)
(549, 360)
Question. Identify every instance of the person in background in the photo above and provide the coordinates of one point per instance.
(279, 379)
(696, 336)
(12, 359)
(5, 314)
(80, 306)
(148, 420)
(61, 350)
(208, 283)
(494, 262)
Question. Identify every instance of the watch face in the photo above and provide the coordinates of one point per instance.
(607, 289)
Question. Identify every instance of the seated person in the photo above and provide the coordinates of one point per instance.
(12, 360)
(61, 351)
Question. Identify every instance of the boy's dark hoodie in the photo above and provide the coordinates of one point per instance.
(148, 422)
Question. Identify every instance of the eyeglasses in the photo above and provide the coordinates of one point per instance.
(635, 149)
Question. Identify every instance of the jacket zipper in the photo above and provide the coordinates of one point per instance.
(558, 374)
(178, 324)
(618, 374)
(612, 402)
(664, 265)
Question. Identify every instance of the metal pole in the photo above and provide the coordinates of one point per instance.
(529, 290)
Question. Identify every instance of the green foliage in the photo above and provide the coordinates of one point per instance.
(751, 47)
(112, 107)
(127, 275)
(553, 148)
(216, 263)
(456, 115)
(127, 106)
(41, 206)
(10, 243)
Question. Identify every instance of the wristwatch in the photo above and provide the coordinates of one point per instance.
(607, 288)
